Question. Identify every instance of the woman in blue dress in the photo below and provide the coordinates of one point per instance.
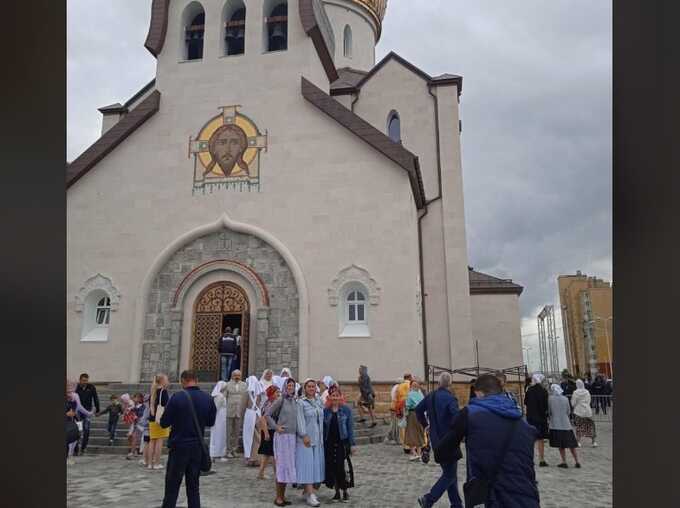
(309, 453)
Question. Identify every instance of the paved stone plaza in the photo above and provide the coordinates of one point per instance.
(384, 478)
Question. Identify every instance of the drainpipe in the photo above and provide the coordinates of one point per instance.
(421, 214)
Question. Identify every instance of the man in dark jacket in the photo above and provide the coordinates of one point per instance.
(185, 442)
(90, 401)
(486, 424)
(438, 411)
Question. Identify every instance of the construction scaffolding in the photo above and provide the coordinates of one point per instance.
(547, 342)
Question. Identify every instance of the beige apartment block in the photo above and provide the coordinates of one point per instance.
(587, 320)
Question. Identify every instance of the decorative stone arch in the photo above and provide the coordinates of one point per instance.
(163, 348)
(353, 273)
(228, 265)
(97, 282)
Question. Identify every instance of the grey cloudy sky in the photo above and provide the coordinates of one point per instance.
(536, 110)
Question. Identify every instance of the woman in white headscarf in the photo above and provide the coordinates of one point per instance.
(561, 432)
(327, 382)
(583, 413)
(251, 436)
(218, 433)
(267, 379)
(536, 402)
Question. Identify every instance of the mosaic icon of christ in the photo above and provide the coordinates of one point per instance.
(226, 146)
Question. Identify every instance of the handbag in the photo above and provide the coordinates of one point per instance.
(206, 461)
(159, 409)
(402, 423)
(72, 432)
(477, 490)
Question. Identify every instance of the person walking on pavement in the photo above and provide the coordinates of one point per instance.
(90, 401)
(561, 432)
(186, 445)
(236, 394)
(499, 447)
(536, 402)
(583, 414)
(437, 412)
(367, 399)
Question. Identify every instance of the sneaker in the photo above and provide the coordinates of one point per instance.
(361, 420)
(128, 456)
(110, 442)
(143, 463)
(312, 500)
(563, 465)
(373, 424)
(223, 459)
(345, 497)
(336, 497)
(578, 466)
(414, 458)
(422, 502)
(149, 467)
(543, 463)
(231, 455)
(70, 461)
(159, 466)
(594, 444)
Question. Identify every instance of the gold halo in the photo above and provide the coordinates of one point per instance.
(241, 121)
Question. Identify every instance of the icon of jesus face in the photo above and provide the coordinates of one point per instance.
(227, 146)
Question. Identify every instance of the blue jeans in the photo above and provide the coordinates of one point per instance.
(227, 366)
(86, 433)
(448, 482)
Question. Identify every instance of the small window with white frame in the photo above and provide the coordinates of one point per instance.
(354, 321)
(96, 317)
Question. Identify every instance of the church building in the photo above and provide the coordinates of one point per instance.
(274, 178)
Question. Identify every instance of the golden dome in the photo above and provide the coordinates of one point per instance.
(376, 7)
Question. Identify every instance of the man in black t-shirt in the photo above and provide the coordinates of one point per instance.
(229, 348)
(90, 401)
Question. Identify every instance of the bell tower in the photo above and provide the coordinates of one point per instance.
(357, 25)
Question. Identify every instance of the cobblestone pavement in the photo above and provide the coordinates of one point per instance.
(383, 475)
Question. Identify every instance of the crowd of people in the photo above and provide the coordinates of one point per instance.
(305, 431)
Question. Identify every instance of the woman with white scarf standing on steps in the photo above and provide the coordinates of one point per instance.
(251, 436)
(218, 433)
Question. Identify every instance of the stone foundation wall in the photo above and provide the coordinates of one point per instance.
(276, 335)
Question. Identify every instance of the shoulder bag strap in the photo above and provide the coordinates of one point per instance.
(193, 413)
(504, 453)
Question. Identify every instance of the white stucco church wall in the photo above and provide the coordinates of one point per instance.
(331, 212)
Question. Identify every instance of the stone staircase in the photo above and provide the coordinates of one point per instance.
(99, 438)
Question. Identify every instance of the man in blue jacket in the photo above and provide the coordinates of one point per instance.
(438, 410)
(489, 423)
(185, 442)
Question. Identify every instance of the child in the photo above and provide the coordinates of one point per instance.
(130, 417)
(115, 409)
(143, 428)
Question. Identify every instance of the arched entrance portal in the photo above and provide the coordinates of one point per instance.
(219, 305)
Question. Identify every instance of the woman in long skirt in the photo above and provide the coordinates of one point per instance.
(414, 437)
(283, 416)
(561, 432)
(583, 413)
(266, 449)
(536, 402)
(251, 435)
(218, 433)
(309, 451)
(338, 444)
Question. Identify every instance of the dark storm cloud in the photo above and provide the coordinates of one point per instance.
(536, 111)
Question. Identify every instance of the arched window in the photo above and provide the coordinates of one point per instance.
(234, 28)
(356, 307)
(276, 25)
(103, 311)
(96, 316)
(193, 21)
(347, 46)
(394, 127)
